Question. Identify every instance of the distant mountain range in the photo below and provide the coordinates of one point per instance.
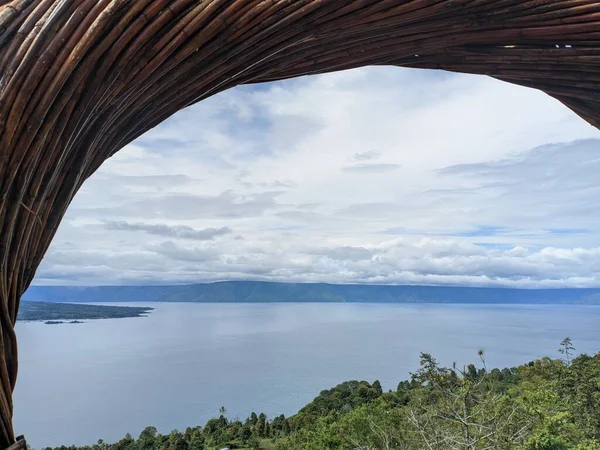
(259, 291)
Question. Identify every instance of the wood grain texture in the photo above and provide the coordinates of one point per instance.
(80, 79)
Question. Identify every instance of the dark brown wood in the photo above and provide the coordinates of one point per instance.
(20, 444)
(79, 79)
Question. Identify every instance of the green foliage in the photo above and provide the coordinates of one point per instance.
(548, 404)
(462, 409)
(341, 399)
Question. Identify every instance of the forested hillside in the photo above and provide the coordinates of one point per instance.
(548, 404)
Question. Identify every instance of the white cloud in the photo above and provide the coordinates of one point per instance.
(371, 175)
(371, 168)
(181, 232)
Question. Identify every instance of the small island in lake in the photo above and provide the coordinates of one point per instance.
(58, 313)
(58, 322)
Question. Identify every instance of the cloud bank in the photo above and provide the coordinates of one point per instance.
(375, 175)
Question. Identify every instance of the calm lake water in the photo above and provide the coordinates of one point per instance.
(175, 368)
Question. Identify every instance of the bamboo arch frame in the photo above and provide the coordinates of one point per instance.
(79, 79)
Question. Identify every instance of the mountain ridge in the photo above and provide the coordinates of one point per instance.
(280, 292)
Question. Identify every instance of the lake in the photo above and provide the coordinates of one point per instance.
(176, 368)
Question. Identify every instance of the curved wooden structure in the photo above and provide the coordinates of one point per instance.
(79, 79)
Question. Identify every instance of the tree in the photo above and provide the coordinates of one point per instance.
(147, 439)
(197, 440)
(286, 427)
(566, 349)
(127, 443)
(245, 433)
(377, 387)
(366, 393)
(254, 442)
(177, 441)
(261, 425)
(373, 426)
(579, 387)
(463, 410)
(403, 386)
(253, 418)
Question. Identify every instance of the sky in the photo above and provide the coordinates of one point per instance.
(374, 175)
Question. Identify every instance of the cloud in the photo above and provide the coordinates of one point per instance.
(181, 231)
(227, 204)
(366, 156)
(397, 261)
(188, 254)
(547, 187)
(371, 168)
(348, 253)
(153, 180)
(568, 231)
(377, 175)
(482, 230)
(373, 210)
